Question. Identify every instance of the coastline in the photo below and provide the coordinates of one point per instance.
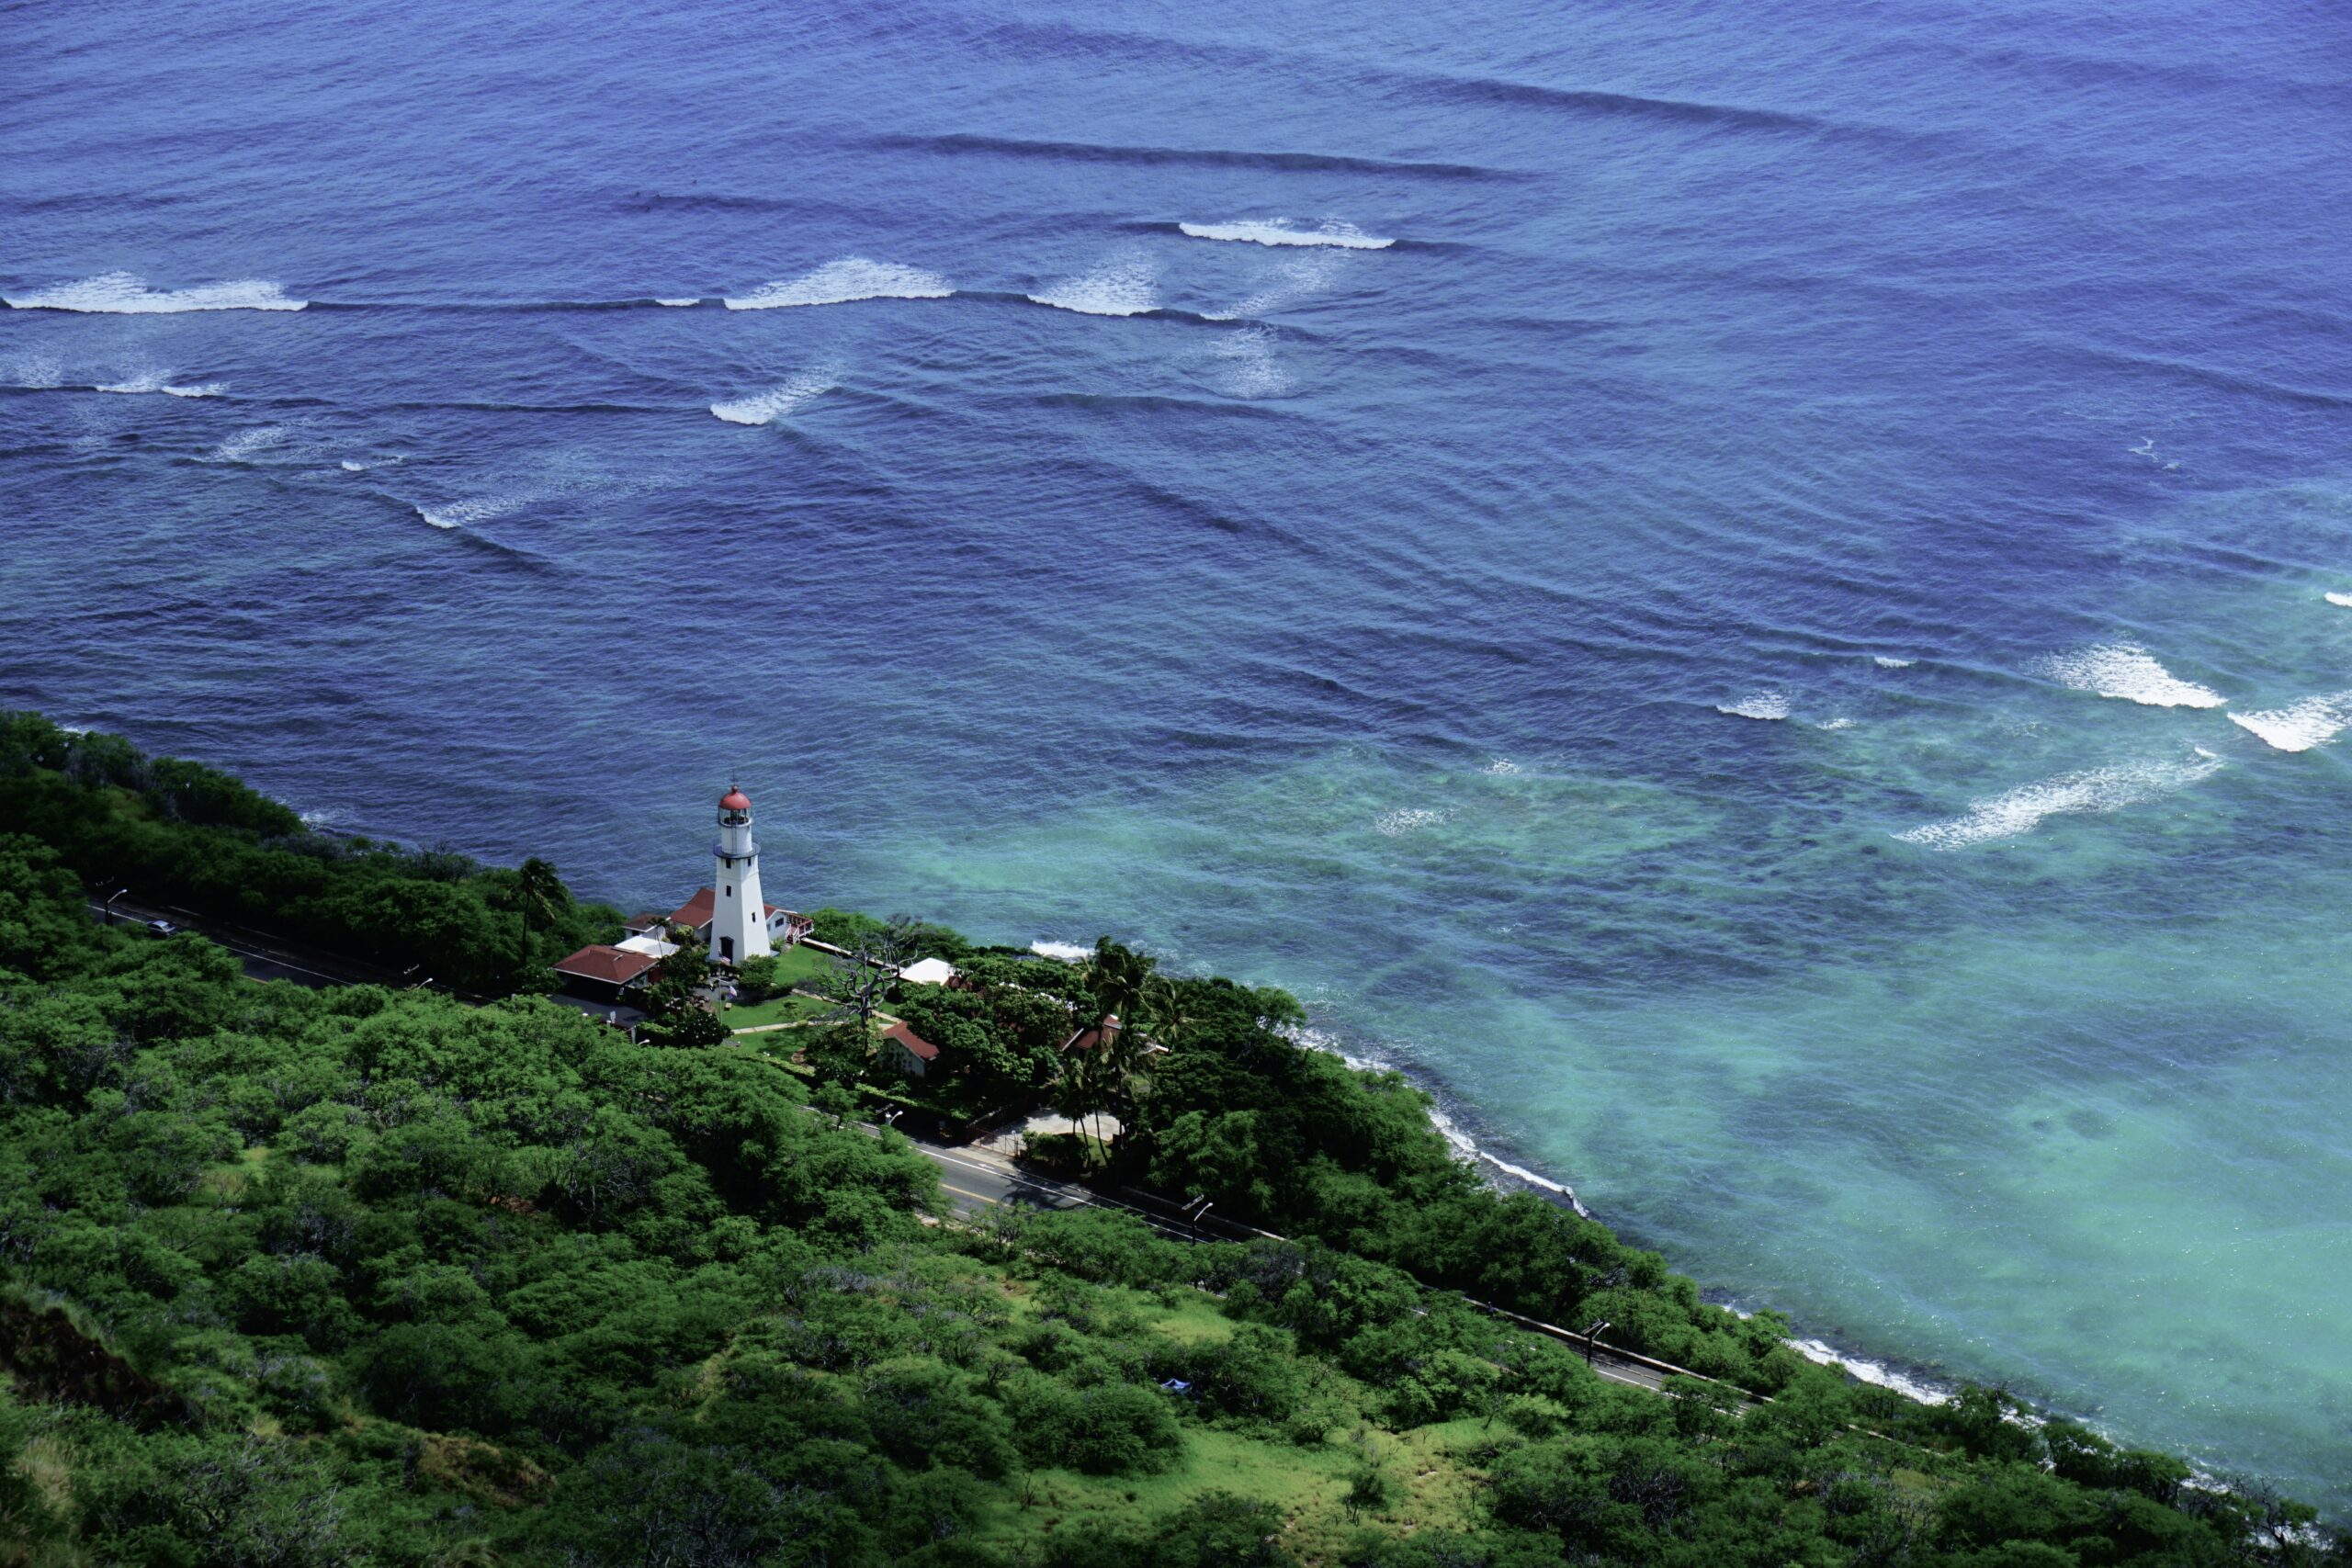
(1458, 1122)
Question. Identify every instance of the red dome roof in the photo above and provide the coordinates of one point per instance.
(734, 800)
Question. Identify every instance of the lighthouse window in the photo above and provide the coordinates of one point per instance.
(731, 891)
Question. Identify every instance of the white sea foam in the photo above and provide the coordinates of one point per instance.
(156, 383)
(1067, 952)
(1467, 1148)
(2301, 725)
(1250, 369)
(1292, 280)
(678, 304)
(121, 294)
(247, 445)
(466, 513)
(1282, 232)
(34, 375)
(2126, 671)
(1119, 289)
(2099, 790)
(1766, 704)
(1501, 765)
(1840, 723)
(840, 282)
(1883, 663)
(2342, 601)
(1877, 1373)
(764, 408)
(349, 466)
(1410, 819)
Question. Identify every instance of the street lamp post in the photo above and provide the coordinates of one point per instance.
(110, 898)
(1589, 1335)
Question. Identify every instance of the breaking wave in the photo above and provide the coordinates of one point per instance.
(2342, 601)
(762, 408)
(466, 513)
(1757, 705)
(842, 282)
(247, 445)
(1281, 232)
(1821, 1353)
(157, 384)
(678, 304)
(2301, 725)
(2126, 671)
(2023, 810)
(1464, 1144)
(1883, 663)
(1067, 952)
(1122, 289)
(121, 294)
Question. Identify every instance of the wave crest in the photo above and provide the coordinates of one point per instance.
(843, 282)
(1120, 288)
(123, 294)
(1766, 704)
(765, 408)
(2301, 725)
(2130, 673)
(1282, 232)
(2095, 791)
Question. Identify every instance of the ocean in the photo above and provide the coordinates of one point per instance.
(1760, 595)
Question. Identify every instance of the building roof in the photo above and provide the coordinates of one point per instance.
(1094, 1034)
(645, 923)
(610, 965)
(929, 972)
(696, 910)
(647, 943)
(917, 1046)
(735, 800)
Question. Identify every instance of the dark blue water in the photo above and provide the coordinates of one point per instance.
(1716, 644)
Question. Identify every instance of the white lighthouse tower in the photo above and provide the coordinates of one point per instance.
(739, 919)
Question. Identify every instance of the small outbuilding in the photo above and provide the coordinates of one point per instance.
(928, 971)
(605, 974)
(907, 1051)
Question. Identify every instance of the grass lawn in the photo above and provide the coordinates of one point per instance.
(787, 1009)
(799, 965)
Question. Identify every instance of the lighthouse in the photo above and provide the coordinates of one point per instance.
(739, 923)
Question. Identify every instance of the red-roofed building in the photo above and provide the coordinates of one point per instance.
(604, 974)
(906, 1050)
(785, 927)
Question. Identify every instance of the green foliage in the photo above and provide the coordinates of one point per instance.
(361, 1276)
(175, 831)
(757, 979)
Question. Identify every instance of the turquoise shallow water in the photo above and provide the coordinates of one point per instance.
(1717, 647)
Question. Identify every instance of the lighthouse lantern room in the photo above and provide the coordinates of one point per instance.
(739, 925)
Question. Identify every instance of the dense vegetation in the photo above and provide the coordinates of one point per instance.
(178, 832)
(361, 1276)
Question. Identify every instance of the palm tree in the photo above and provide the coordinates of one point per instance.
(541, 893)
(1124, 987)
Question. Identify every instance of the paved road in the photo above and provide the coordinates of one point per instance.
(978, 1178)
(975, 1178)
(264, 958)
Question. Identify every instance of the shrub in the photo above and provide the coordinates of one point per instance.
(1108, 1429)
